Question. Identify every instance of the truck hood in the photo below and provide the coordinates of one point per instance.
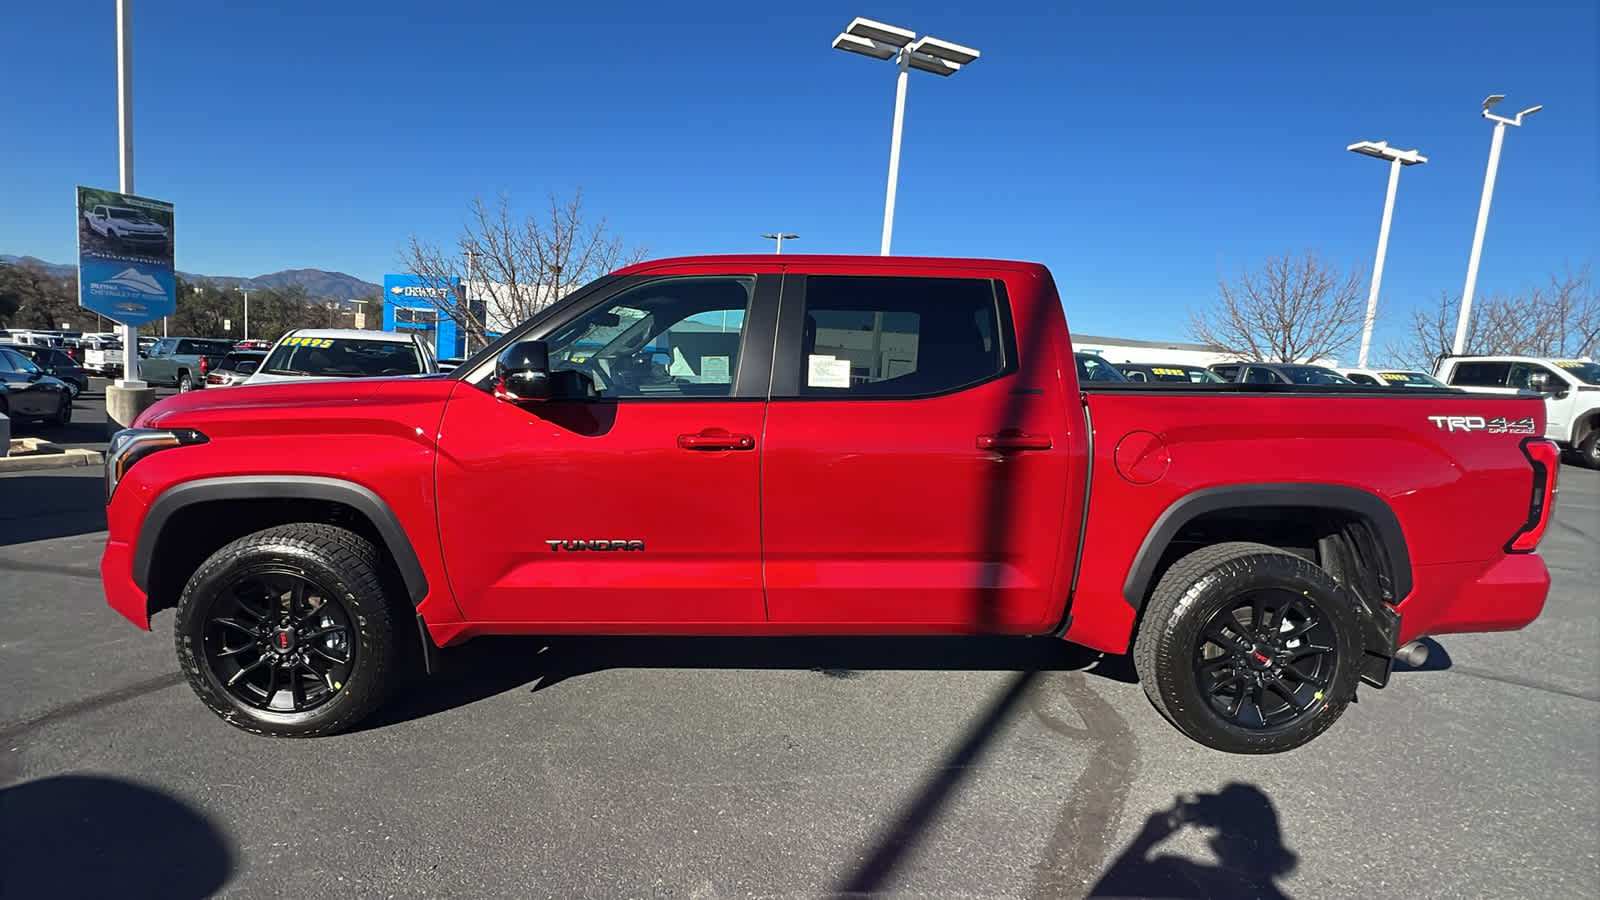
(298, 399)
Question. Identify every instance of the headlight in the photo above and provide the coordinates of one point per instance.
(130, 445)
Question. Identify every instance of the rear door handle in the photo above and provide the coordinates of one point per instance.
(716, 439)
(1011, 439)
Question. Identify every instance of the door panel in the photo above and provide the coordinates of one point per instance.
(942, 512)
(637, 512)
(512, 478)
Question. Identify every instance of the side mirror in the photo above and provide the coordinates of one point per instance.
(522, 371)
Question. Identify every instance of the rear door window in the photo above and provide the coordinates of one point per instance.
(1481, 374)
(890, 336)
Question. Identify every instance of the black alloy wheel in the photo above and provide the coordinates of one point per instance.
(287, 632)
(1247, 648)
(274, 641)
(1267, 659)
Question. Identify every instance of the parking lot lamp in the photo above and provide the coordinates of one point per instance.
(780, 237)
(929, 54)
(1397, 158)
(1500, 123)
(240, 288)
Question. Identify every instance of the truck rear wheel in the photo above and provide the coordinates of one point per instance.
(1589, 449)
(1248, 649)
(286, 631)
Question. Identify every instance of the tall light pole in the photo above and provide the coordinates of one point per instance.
(1500, 123)
(781, 237)
(1397, 158)
(929, 54)
(130, 333)
(241, 289)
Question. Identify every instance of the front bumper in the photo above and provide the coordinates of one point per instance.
(116, 574)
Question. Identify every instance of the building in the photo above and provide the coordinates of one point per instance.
(1119, 350)
(412, 303)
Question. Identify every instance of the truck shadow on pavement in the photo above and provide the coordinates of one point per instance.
(42, 507)
(489, 666)
(93, 836)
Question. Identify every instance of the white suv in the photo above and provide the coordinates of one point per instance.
(1571, 389)
(344, 353)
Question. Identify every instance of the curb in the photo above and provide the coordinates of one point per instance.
(65, 459)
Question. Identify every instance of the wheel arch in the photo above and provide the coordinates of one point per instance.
(232, 506)
(1338, 503)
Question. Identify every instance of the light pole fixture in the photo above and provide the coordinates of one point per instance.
(1397, 158)
(927, 54)
(240, 289)
(1500, 123)
(780, 237)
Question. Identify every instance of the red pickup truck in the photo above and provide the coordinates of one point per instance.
(808, 445)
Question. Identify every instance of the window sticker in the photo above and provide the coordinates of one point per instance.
(714, 370)
(827, 372)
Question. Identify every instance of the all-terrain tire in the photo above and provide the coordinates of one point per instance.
(1589, 449)
(185, 382)
(343, 568)
(1172, 645)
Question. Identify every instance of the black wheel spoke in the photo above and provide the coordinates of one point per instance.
(297, 599)
(1283, 690)
(1223, 639)
(252, 630)
(235, 651)
(322, 632)
(1218, 663)
(1308, 650)
(1223, 684)
(1258, 614)
(1303, 678)
(245, 670)
(322, 652)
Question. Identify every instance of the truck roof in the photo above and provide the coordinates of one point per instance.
(853, 261)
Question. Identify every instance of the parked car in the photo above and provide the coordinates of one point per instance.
(235, 368)
(1393, 378)
(125, 225)
(1570, 388)
(253, 344)
(57, 364)
(1092, 367)
(1177, 373)
(29, 393)
(1278, 373)
(448, 364)
(182, 362)
(344, 353)
(895, 448)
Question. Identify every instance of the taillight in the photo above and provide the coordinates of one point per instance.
(205, 365)
(1545, 457)
(213, 378)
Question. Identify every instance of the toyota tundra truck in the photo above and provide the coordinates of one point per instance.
(824, 445)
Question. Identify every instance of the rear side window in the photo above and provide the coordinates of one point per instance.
(874, 336)
(1258, 375)
(1360, 378)
(1481, 374)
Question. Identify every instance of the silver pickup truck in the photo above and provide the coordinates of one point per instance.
(182, 362)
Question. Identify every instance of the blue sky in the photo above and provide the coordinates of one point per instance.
(1135, 148)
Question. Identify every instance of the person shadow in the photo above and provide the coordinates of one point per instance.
(1241, 828)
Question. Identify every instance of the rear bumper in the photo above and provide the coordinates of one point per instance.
(116, 573)
(1505, 595)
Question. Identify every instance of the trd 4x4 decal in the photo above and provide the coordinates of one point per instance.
(1499, 425)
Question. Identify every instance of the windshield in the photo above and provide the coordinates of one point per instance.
(1587, 372)
(343, 358)
(1093, 368)
(1183, 374)
(120, 213)
(1411, 379)
(1312, 375)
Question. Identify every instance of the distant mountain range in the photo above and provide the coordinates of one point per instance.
(319, 284)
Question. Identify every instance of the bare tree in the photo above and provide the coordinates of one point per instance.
(511, 266)
(1560, 318)
(1292, 308)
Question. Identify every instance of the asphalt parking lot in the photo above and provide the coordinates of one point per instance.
(776, 768)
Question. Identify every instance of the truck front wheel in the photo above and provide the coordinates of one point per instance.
(286, 632)
(1248, 649)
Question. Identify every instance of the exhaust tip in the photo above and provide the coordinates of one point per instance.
(1414, 654)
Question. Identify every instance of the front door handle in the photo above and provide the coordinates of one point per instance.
(1012, 439)
(716, 439)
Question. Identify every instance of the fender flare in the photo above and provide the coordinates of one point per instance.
(281, 487)
(1369, 506)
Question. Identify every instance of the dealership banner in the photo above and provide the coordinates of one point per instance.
(125, 256)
